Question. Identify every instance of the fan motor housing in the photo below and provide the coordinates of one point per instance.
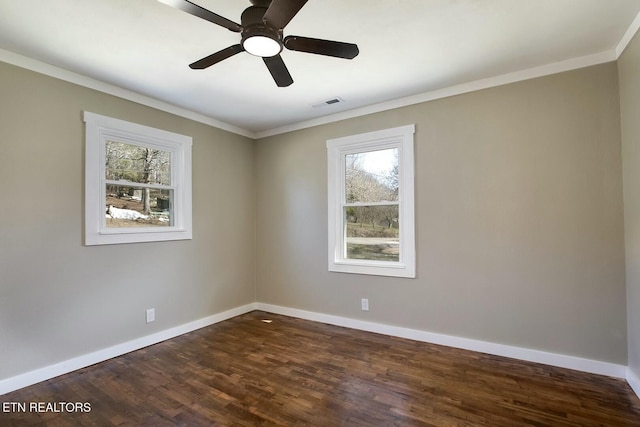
(253, 15)
(254, 25)
(265, 37)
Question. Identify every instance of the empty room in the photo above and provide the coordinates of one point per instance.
(320, 213)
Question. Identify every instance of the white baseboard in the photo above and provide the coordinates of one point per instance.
(48, 372)
(570, 362)
(559, 360)
(634, 381)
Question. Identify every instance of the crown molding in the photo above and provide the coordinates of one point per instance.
(531, 73)
(75, 78)
(628, 36)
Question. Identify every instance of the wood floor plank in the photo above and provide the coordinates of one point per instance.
(292, 372)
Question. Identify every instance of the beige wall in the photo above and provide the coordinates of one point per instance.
(60, 299)
(519, 219)
(518, 206)
(629, 70)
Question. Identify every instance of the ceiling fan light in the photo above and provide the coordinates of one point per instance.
(263, 46)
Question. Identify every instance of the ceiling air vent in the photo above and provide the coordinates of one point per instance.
(332, 101)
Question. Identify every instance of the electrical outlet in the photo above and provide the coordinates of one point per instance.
(151, 315)
(365, 304)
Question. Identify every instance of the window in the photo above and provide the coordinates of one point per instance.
(371, 207)
(137, 183)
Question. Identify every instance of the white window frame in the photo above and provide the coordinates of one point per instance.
(337, 149)
(100, 129)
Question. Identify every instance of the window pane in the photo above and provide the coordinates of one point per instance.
(372, 232)
(372, 176)
(138, 207)
(132, 163)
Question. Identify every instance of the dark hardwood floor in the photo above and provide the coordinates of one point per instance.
(292, 372)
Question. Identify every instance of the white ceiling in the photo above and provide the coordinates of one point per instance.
(407, 48)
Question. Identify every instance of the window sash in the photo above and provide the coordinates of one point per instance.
(380, 248)
(99, 130)
(122, 183)
(175, 205)
(134, 161)
(106, 229)
(343, 220)
(356, 204)
(400, 138)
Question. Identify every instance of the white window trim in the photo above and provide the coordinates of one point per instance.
(99, 129)
(401, 138)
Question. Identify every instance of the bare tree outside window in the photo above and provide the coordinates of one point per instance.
(135, 177)
(371, 205)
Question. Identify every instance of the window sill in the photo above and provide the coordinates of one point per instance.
(372, 268)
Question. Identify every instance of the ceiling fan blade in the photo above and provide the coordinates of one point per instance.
(278, 70)
(201, 12)
(280, 12)
(221, 55)
(322, 47)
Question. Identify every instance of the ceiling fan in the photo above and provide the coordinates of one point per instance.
(261, 35)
